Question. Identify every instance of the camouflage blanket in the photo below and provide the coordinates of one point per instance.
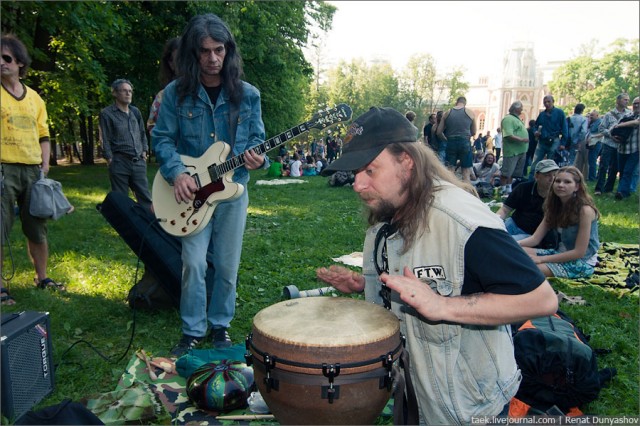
(617, 268)
(164, 401)
(169, 389)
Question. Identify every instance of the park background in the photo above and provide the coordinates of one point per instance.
(79, 48)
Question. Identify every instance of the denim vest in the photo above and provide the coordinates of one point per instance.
(195, 124)
(569, 235)
(458, 370)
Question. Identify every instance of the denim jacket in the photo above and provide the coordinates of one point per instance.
(458, 370)
(192, 127)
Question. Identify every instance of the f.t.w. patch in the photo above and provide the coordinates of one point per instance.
(435, 272)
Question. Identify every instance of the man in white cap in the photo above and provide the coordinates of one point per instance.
(425, 258)
(524, 204)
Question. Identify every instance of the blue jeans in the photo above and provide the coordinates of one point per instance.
(514, 230)
(442, 150)
(222, 237)
(543, 150)
(628, 164)
(634, 179)
(608, 169)
(594, 152)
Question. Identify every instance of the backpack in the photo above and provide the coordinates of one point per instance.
(149, 294)
(485, 190)
(341, 178)
(623, 133)
(558, 366)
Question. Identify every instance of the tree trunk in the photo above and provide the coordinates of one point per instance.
(84, 138)
(53, 155)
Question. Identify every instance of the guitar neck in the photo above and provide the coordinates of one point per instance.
(268, 145)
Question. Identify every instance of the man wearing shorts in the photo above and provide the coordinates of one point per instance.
(515, 143)
(24, 156)
(455, 128)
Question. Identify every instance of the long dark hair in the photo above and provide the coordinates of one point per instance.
(484, 160)
(167, 72)
(564, 215)
(199, 28)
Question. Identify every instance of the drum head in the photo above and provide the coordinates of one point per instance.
(326, 322)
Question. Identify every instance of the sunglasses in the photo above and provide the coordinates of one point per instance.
(381, 261)
(8, 59)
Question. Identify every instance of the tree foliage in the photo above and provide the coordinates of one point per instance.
(419, 87)
(597, 82)
(79, 48)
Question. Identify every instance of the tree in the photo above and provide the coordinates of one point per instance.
(419, 85)
(79, 48)
(597, 82)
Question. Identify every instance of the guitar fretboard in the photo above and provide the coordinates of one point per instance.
(321, 120)
(218, 170)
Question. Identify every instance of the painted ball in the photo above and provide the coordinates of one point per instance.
(221, 386)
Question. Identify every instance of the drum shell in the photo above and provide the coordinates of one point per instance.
(301, 394)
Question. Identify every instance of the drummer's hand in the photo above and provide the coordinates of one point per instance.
(416, 294)
(341, 278)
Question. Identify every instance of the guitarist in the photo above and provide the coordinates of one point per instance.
(195, 114)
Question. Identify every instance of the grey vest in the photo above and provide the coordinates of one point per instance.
(458, 370)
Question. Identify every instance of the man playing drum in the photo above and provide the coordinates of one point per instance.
(444, 264)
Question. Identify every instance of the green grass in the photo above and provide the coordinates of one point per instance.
(291, 231)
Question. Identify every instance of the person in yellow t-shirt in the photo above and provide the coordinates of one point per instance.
(24, 154)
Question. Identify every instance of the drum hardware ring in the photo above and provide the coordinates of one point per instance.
(247, 355)
(387, 362)
(368, 362)
(269, 363)
(331, 372)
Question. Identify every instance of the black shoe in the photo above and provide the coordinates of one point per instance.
(220, 338)
(619, 196)
(185, 344)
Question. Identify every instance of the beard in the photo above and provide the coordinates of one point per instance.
(384, 211)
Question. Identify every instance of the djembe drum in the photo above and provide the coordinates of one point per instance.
(324, 360)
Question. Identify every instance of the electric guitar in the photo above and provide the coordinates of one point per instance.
(213, 174)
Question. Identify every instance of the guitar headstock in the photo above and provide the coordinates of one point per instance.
(323, 119)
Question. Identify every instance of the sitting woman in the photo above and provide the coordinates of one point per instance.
(486, 171)
(571, 210)
(309, 167)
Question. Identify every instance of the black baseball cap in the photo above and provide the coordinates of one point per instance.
(368, 136)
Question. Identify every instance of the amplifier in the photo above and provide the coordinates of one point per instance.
(27, 363)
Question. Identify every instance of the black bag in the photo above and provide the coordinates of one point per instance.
(159, 251)
(485, 190)
(64, 413)
(341, 178)
(623, 133)
(149, 294)
(558, 365)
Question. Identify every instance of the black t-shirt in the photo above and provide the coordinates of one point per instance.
(213, 93)
(495, 263)
(527, 204)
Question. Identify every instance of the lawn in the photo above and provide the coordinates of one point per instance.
(291, 231)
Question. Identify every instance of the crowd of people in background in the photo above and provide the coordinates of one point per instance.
(308, 159)
(544, 171)
(602, 148)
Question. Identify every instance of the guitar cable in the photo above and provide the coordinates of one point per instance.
(133, 326)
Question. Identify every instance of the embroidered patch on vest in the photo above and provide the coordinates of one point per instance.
(429, 272)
